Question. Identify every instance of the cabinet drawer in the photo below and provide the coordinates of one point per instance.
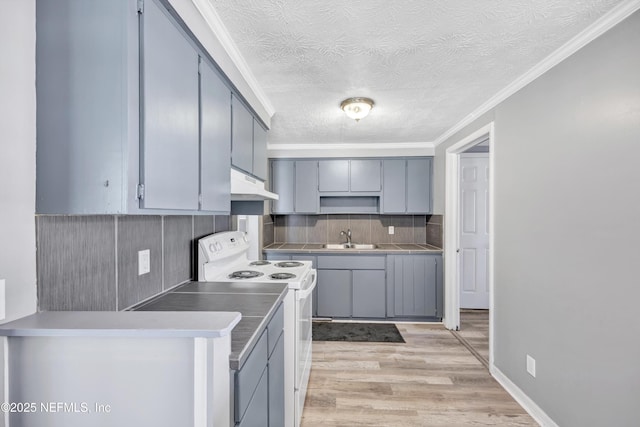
(275, 328)
(352, 262)
(247, 377)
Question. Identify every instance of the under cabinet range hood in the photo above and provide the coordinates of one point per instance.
(245, 187)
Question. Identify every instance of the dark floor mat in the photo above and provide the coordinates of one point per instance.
(364, 332)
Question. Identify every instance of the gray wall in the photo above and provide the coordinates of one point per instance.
(567, 226)
(91, 262)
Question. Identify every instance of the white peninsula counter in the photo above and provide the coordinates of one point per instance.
(118, 369)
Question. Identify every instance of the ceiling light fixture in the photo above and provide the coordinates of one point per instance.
(357, 108)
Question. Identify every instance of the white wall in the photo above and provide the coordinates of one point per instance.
(18, 156)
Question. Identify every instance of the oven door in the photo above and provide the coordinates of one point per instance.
(304, 305)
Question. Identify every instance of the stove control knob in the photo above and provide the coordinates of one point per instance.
(212, 248)
(244, 236)
(218, 246)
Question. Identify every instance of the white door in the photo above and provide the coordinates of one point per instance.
(474, 230)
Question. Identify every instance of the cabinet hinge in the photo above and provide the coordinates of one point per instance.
(140, 191)
(140, 6)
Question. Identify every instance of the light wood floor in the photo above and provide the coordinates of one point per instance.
(432, 380)
(474, 328)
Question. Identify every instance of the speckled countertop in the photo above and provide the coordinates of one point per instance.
(382, 248)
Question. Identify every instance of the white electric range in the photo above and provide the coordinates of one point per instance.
(222, 257)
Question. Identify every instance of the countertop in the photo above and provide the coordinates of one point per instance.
(123, 324)
(382, 248)
(257, 302)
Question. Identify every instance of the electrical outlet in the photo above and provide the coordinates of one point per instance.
(531, 366)
(392, 229)
(144, 262)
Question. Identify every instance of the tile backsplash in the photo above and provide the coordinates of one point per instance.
(91, 262)
(435, 230)
(364, 228)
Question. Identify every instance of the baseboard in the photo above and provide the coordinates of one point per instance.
(525, 401)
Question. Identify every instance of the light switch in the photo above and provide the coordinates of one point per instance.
(392, 229)
(144, 262)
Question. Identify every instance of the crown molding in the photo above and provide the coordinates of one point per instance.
(218, 28)
(595, 30)
(375, 149)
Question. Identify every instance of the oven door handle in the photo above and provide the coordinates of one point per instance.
(303, 294)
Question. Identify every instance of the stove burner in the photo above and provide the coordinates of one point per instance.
(289, 264)
(260, 263)
(245, 274)
(282, 276)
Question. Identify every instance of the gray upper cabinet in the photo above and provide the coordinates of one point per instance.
(419, 185)
(283, 184)
(296, 182)
(248, 141)
(215, 143)
(406, 186)
(366, 175)
(306, 186)
(241, 136)
(259, 150)
(170, 97)
(139, 128)
(333, 175)
(345, 176)
(87, 125)
(394, 190)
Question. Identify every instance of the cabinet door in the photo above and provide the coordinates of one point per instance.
(241, 136)
(215, 141)
(369, 293)
(419, 186)
(282, 183)
(276, 385)
(259, 150)
(306, 186)
(394, 189)
(257, 413)
(415, 280)
(170, 100)
(333, 175)
(334, 293)
(365, 175)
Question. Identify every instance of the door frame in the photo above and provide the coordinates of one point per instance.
(452, 228)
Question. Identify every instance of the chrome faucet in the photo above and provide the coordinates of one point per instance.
(348, 234)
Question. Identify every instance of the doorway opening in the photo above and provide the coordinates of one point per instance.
(468, 244)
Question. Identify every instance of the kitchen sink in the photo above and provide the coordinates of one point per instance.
(350, 246)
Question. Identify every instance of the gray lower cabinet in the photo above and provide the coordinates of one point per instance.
(351, 286)
(334, 293)
(369, 293)
(259, 383)
(414, 284)
(378, 287)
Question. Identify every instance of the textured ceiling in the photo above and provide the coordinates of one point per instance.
(427, 64)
